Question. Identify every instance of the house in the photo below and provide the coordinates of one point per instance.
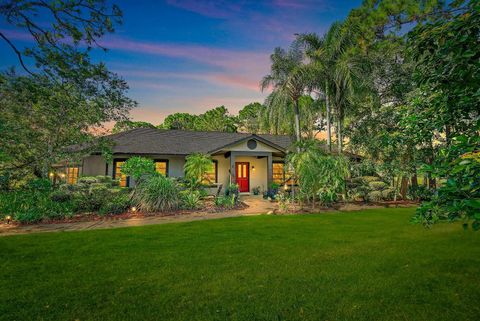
(248, 160)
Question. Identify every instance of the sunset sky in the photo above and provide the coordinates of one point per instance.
(190, 56)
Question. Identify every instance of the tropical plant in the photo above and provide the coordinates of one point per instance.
(191, 199)
(318, 172)
(196, 168)
(157, 193)
(289, 79)
(137, 166)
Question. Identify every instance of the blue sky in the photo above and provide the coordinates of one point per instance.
(190, 56)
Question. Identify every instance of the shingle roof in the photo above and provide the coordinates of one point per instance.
(182, 142)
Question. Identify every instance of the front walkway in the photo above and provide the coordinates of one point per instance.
(256, 205)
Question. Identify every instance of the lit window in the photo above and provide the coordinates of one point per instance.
(282, 176)
(118, 174)
(72, 174)
(278, 173)
(161, 167)
(211, 175)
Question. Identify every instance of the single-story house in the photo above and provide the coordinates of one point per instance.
(248, 160)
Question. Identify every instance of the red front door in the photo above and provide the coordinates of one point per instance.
(243, 176)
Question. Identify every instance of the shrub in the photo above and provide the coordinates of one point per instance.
(375, 196)
(30, 206)
(233, 191)
(40, 184)
(419, 193)
(283, 201)
(157, 193)
(118, 204)
(137, 167)
(61, 195)
(327, 196)
(377, 185)
(369, 179)
(225, 201)
(388, 194)
(87, 180)
(191, 199)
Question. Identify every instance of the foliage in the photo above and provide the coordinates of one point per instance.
(226, 201)
(119, 203)
(249, 118)
(256, 190)
(137, 167)
(318, 173)
(181, 121)
(191, 199)
(459, 196)
(232, 192)
(377, 185)
(216, 119)
(157, 193)
(196, 167)
(125, 125)
(283, 201)
(63, 94)
(31, 206)
(375, 196)
(289, 79)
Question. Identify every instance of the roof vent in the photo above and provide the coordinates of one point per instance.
(252, 144)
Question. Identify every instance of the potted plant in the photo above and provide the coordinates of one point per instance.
(256, 190)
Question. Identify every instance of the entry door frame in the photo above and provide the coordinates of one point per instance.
(237, 176)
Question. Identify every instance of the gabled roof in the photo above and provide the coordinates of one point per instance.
(183, 142)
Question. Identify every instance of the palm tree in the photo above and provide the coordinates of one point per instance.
(313, 45)
(338, 67)
(289, 78)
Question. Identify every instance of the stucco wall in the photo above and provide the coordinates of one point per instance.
(93, 165)
(258, 176)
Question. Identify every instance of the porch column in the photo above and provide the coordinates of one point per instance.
(269, 170)
(232, 168)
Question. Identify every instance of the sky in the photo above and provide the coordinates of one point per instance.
(191, 56)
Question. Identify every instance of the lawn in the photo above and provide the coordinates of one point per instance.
(366, 265)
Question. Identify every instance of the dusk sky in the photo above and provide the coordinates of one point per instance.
(190, 56)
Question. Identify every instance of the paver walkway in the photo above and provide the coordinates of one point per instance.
(256, 205)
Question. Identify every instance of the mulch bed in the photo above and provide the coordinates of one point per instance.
(209, 207)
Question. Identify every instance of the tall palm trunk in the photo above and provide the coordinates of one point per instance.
(296, 110)
(329, 125)
(340, 135)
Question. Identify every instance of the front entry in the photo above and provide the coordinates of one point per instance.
(242, 174)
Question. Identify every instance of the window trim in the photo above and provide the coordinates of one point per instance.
(114, 171)
(158, 160)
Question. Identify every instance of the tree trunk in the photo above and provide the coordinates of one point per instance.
(403, 187)
(414, 181)
(297, 120)
(339, 136)
(329, 125)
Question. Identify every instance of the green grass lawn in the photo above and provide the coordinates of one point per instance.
(368, 265)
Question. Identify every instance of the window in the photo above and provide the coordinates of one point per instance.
(72, 174)
(282, 176)
(212, 175)
(278, 173)
(117, 165)
(161, 166)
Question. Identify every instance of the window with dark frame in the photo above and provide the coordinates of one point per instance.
(117, 174)
(212, 175)
(72, 174)
(161, 166)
